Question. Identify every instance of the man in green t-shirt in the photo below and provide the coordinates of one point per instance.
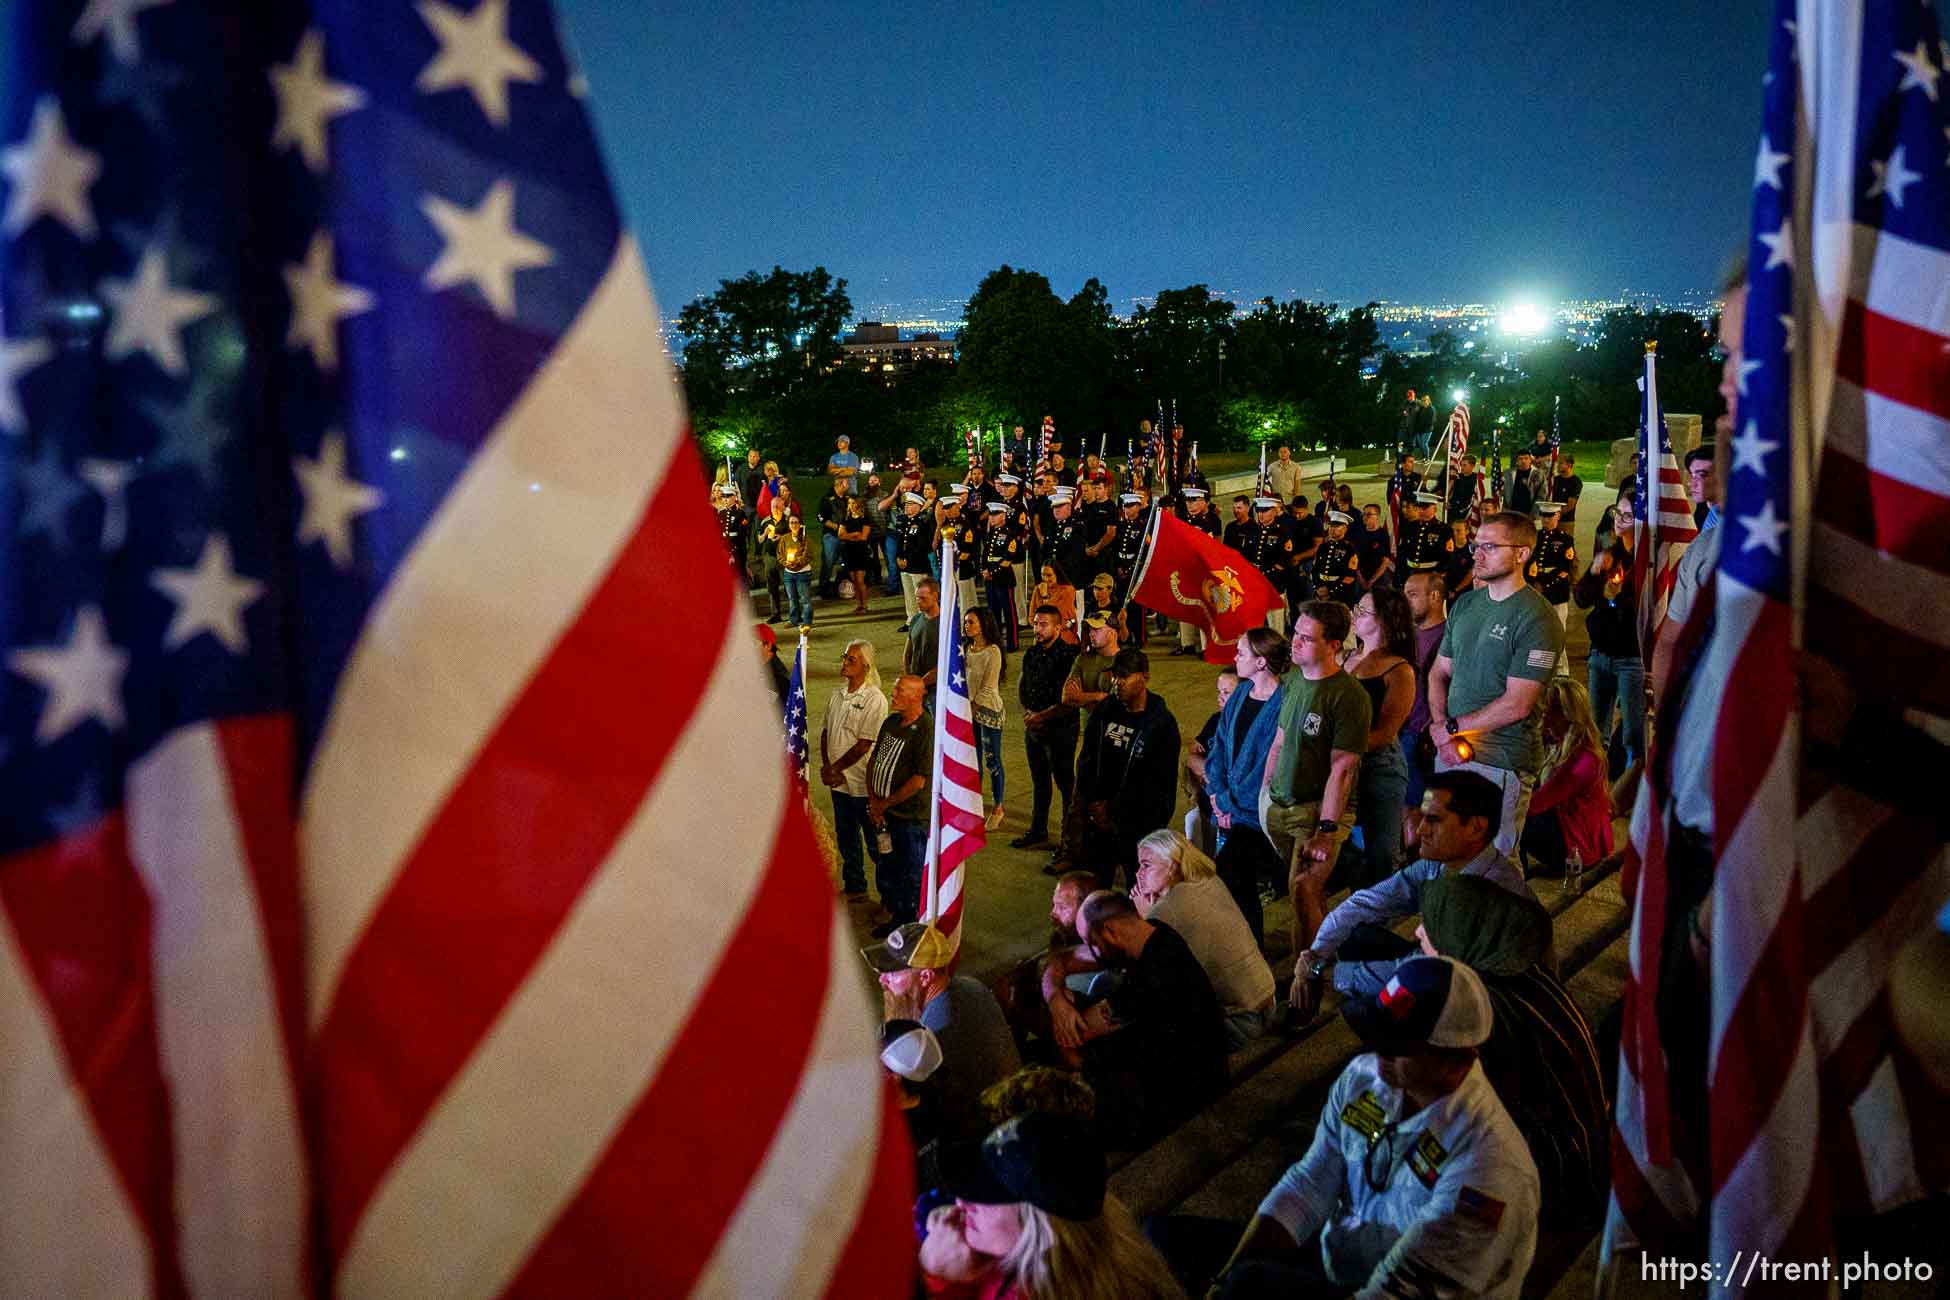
(1306, 802)
(1486, 686)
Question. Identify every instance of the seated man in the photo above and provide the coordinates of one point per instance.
(1540, 1057)
(1461, 812)
(976, 1046)
(1417, 1181)
(1022, 991)
(1154, 1049)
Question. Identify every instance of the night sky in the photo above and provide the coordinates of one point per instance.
(1345, 150)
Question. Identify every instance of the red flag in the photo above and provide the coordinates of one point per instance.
(1188, 576)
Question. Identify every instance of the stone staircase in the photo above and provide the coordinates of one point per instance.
(1223, 1160)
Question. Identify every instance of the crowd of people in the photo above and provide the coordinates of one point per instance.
(1401, 747)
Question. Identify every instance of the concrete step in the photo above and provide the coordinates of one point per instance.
(1222, 1160)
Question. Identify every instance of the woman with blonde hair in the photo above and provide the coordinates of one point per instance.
(1033, 1219)
(1572, 806)
(1180, 886)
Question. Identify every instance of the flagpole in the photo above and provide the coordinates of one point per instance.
(950, 599)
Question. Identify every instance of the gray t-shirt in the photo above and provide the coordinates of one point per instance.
(977, 1050)
(1489, 641)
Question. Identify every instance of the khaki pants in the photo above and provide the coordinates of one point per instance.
(1191, 634)
(1289, 828)
(1516, 788)
(909, 602)
(1564, 655)
(1021, 597)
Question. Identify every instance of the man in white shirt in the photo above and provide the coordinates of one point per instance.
(1417, 1182)
(854, 713)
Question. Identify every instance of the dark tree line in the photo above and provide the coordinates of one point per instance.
(759, 369)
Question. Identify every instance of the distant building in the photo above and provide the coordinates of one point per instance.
(879, 349)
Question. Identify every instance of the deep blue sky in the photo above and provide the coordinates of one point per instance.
(1429, 150)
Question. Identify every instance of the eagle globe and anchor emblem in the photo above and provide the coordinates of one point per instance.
(1220, 592)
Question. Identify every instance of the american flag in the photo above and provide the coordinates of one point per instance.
(956, 831)
(795, 722)
(367, 655)
(1496, 463)
(1556, 445)
(1459, 428)
(1837, 511)
(1662, 513)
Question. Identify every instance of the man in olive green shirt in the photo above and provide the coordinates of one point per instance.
(1486, 686)
(1306, 802)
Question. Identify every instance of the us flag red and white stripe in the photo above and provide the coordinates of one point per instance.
(956, 830)
(388, 874)
(1838, 514)
(1661, 511)
(1459, 428)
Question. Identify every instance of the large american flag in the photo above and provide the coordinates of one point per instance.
(1837, 513)
(956, 831)
(371, 688)
(1662, 513)
(1459, 428)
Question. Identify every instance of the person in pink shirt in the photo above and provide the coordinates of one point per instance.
(1572, 806)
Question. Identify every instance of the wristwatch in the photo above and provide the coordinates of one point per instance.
(1326, 827)
(1453, 726)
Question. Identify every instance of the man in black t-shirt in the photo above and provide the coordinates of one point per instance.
(1155, 1049)
(1567, 487)
(1049, 735)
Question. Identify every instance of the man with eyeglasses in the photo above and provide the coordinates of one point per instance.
(1486, 687)
(1418, 1182)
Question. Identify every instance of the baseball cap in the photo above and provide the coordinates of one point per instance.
(1050, 1161)
(1130, 660)
(1096, 620)
(914, 946)
(766, 634)
(1428, 1002)
(909, 1049)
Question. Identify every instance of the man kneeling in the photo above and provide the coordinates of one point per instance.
(1417, 1182)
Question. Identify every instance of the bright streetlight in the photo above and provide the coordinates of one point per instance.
(1524, 320)
(1461, 394)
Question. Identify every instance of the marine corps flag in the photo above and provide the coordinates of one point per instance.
(1188, 576)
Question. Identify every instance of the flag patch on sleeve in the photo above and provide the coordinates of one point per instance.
(1542, 658)
(1480, 1206)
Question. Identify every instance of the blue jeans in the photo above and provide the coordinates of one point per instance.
(852, 829)
(989, 741)
(898, 874)
(892, 548)
(798, 599)
(1618, 681)
(1378, 814)
(829, 556)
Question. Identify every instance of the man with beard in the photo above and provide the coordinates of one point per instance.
(1485, 689)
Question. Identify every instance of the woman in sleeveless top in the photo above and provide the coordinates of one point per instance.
(1383, 662)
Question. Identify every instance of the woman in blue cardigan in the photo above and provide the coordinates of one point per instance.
(1235, 766)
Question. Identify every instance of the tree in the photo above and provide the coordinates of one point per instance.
(1026, 353)
(762, 335)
